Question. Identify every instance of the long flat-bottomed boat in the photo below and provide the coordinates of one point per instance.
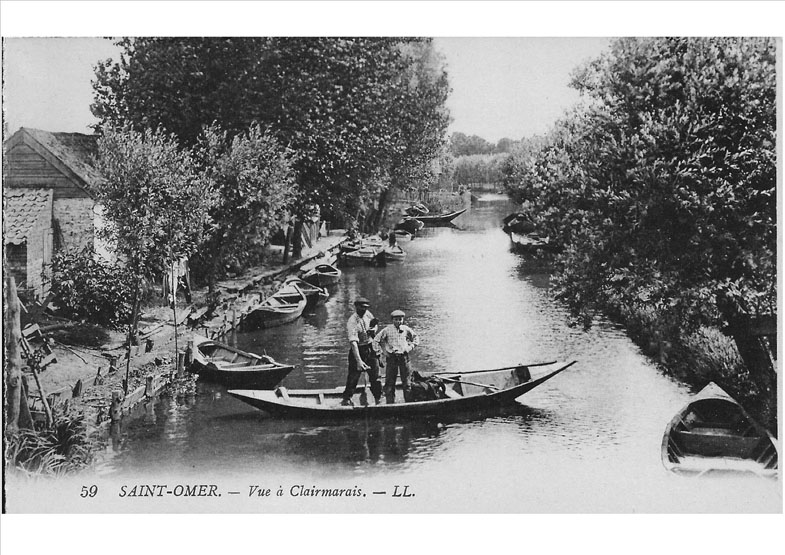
(714, 433)
(439, 219)
(220, 363)
(463, 391)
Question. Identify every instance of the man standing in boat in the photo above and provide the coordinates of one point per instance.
(397, 341)
(362, 357)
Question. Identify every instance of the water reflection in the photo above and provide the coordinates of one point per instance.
(596, 428)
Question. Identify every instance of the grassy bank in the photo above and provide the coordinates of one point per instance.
(706, 355)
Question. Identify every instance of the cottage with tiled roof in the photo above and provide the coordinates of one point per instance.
(47, 204)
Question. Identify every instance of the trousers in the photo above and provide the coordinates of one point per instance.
(368, 356)
(397, 363)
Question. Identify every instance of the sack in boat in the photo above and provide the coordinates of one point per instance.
(426, 389)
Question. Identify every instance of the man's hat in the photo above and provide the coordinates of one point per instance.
(362, 301)
(396, 313)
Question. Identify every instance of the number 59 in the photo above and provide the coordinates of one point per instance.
(88, 492)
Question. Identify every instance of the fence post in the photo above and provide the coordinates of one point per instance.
(115, 409)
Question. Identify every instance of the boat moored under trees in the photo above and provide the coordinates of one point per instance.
(714, 433)
(479, 389)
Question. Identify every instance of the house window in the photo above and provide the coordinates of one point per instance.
(16, 255)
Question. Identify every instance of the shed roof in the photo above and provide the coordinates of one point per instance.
(23, 210)
(76, 151)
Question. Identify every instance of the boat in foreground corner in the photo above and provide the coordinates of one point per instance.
(478, 389)
(217, 362)
(714, 433)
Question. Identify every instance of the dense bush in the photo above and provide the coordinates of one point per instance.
(90, 289)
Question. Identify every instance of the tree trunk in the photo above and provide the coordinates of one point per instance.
(383, 198)
(286, 242)
(297, 239)
(132, 333)
(13, 355)
(751, 337)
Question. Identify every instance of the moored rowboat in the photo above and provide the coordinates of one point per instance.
(314, 294)
(363, 255)
(465, 391)
(714, 433)
(323, 275)
(220, 363)
(393, 253)
(283, 306)
(531, 243)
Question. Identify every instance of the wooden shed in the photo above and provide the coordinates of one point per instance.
(47, 203)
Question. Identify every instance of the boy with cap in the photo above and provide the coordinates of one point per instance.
(396, 341)
(362, 357)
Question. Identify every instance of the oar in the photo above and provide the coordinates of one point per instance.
(456, 380)
(494, 369)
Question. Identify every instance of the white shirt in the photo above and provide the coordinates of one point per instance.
(357, 328)
(397, 341)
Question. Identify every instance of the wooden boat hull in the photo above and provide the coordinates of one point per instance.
(324, 275)
(284, 306)
(714, 433)
(314, 295)
(266, 317)
(412, 225)
(394, 254)
(530, 244)
(364, 255)
(441, 218)
(325, 403)
(220, 363)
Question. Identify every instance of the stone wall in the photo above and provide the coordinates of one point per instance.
(75, 219)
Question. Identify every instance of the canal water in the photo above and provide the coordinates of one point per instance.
(586, 441)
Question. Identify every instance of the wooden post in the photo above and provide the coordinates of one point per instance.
(13, 355)
(189, 352)
(148, 386)
(47, 409)
(115, 409)
(180, 364)
(234, 318)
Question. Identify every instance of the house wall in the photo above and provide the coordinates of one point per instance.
(72, 208)
(75, 218)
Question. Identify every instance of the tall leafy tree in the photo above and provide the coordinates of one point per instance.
(155, 201)
(662, 184)
(349, 107)
(253, 180)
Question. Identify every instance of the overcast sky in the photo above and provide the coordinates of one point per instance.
(501, 87)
